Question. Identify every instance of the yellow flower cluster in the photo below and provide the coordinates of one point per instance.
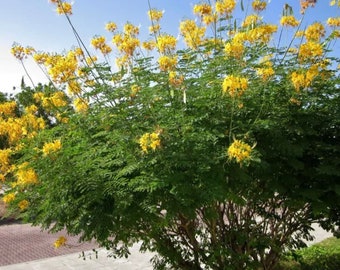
(51, 147)
(205, 11)
(134, 90)
(234, 86)
(64, 8)
(23, 205)
(73, 87)
(7, 109)
(19, 52)
(99, 43)
(81, 105)
(111, 27)
(61, 241)
(310, 50)
(56, 100)
(175, 80)
(40, 58)
(225, 7)
(62, 68)
(234, 48)
(266, 72)
(315, 32)
(240, 151)
(167, 63)
(149, 141)
(25, 175)
(251, 20)
(192, 33)
(259, 34)
(166, 44)
(333, 2)
(155, 15)
(202, 9)
(289, 21)
(8, 198)
(16, 128)
(259, 5)
(334, 22)
(301, 80)
(127, 42)
(5, 166)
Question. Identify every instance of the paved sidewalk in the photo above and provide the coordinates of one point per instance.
(136, 261)
(25, 247)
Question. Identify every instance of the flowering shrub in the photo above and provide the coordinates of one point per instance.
(219, 155)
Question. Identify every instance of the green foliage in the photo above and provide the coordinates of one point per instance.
(323, 255)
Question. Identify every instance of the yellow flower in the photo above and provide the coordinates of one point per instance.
(38, 96)
(8, 198)
(127, 45)
(310, 50)
(209, 19)
(111, 27)
(335, 22)
(154, 28)
(61, 241)
(166, 43)
(52, 147)
(259, 5)
(18, 52)
(251, 20)
(134, 90)
(235, 48)
(25, 175)
(62, 68)
(234, 86)
(73, 87)
(333, 2)
(302, 80)
(149, 140)
(149, 45)
(167, 63)
(174, 79)
(40, 58)
(240, 151)
(225, 7)
(8, 108)
(58, 99)
(131, 30)
(122, 62)
(193, 35)
(23, 205)
(305, 4)
(315, 32)
(32, 109)
(4, 160)
(99, 43)
(80, 105)
(265, 73)
(155, 15)
(202, 9)
(64, 8)
(289, 21)
(261, 33)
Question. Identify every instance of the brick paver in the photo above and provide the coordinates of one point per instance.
(23, 243)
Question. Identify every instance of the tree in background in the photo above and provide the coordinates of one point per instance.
(216, 156)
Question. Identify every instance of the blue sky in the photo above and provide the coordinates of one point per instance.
(35, 23)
